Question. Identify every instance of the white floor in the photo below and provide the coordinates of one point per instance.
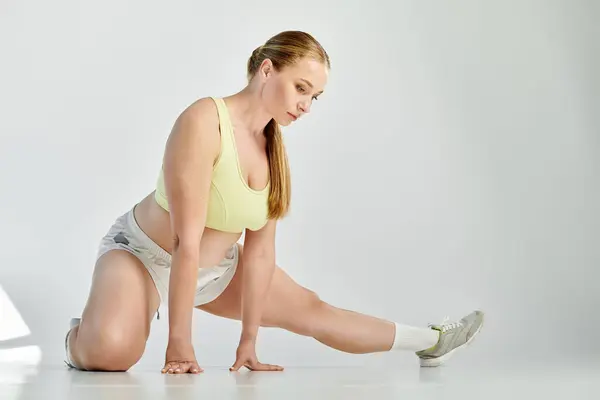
(447, 382)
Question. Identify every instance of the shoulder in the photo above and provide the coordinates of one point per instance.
(203, 107)
(197, 125)
(202, 113)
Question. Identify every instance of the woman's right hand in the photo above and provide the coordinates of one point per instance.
(180, 359)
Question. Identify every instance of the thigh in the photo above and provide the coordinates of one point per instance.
(122, 298)
(286, 300)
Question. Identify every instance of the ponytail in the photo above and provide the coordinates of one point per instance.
(280, 191)
(283, 49)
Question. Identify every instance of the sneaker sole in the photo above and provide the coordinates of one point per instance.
(74, 322)
(436, 362)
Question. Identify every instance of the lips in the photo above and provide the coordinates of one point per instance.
(293, 116)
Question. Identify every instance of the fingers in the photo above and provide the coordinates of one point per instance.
(265, 367)
(182, 367)
(255, 366)
(237, 365)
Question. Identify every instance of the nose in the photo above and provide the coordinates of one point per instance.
(304, 107)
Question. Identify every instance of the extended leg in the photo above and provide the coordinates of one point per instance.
(300, 310)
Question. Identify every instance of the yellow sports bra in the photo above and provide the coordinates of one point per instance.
(232, 204)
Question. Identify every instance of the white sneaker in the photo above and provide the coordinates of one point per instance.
(453, 336)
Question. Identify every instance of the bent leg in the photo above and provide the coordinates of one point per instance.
(115, 323)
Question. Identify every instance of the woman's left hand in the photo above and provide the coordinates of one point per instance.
(246, 357)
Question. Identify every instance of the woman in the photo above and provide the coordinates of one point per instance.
(225, 172)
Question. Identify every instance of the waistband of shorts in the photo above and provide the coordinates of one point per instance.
(152, 246)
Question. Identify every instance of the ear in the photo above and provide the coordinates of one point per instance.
(266, 68)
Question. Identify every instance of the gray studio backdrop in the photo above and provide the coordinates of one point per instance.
(452, 163)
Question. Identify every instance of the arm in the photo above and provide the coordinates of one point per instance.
(189, 155)
(259, 264)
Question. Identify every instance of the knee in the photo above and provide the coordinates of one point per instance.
(108, 348)
(307, 319)
(317, 311)
(314, 302)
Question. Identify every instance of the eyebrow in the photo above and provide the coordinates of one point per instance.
(310, 84)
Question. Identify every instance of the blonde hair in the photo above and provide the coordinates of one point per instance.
(283, 49)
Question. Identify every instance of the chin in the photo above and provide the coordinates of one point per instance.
(283, 121)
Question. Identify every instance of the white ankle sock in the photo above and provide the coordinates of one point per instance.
(414, 338)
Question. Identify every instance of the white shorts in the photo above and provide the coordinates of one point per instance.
(125, 234)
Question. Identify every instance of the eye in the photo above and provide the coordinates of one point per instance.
(315, 97)
(300, 88)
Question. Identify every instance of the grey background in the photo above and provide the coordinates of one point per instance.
(452, 163)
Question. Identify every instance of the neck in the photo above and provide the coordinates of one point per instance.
(247, 110)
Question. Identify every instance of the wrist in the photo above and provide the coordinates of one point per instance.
(248, 337)
(179, 338)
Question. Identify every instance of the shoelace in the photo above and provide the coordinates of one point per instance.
(446, 325)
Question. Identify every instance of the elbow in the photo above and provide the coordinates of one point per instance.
(260, 254)
(187, 246)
